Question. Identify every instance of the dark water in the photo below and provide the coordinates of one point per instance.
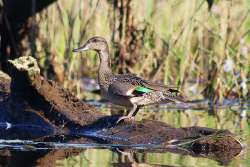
(58, 153)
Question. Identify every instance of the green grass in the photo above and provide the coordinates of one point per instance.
(176, 42)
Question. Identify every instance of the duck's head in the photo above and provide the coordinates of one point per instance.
(95, 43)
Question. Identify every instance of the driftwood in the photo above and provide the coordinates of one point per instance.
(28, 98)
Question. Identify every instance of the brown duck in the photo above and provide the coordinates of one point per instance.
(126, 89)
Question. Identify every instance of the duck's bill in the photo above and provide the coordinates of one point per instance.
(83, 48)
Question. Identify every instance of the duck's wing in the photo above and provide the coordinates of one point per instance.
(122, 88)
(131, 85)
(159, 87)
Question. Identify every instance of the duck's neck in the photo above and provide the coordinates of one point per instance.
(104, 71)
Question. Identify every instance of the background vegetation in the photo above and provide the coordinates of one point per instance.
(203, 49)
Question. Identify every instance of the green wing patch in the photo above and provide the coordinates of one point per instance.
(143, 89)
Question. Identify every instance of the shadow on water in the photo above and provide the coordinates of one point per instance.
(85, 148)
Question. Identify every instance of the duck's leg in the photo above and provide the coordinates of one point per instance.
(131, 113)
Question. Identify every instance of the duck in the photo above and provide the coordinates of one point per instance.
(127, 90)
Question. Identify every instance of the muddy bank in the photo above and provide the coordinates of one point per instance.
(44, 108)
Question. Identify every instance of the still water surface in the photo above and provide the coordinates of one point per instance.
(235, 119)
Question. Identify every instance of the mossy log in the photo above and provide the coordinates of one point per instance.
(65, 114)
(57, 104)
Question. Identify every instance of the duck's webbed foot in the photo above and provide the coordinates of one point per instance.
(131, 114)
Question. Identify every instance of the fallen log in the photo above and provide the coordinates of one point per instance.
(57, 104)
(65, 114)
